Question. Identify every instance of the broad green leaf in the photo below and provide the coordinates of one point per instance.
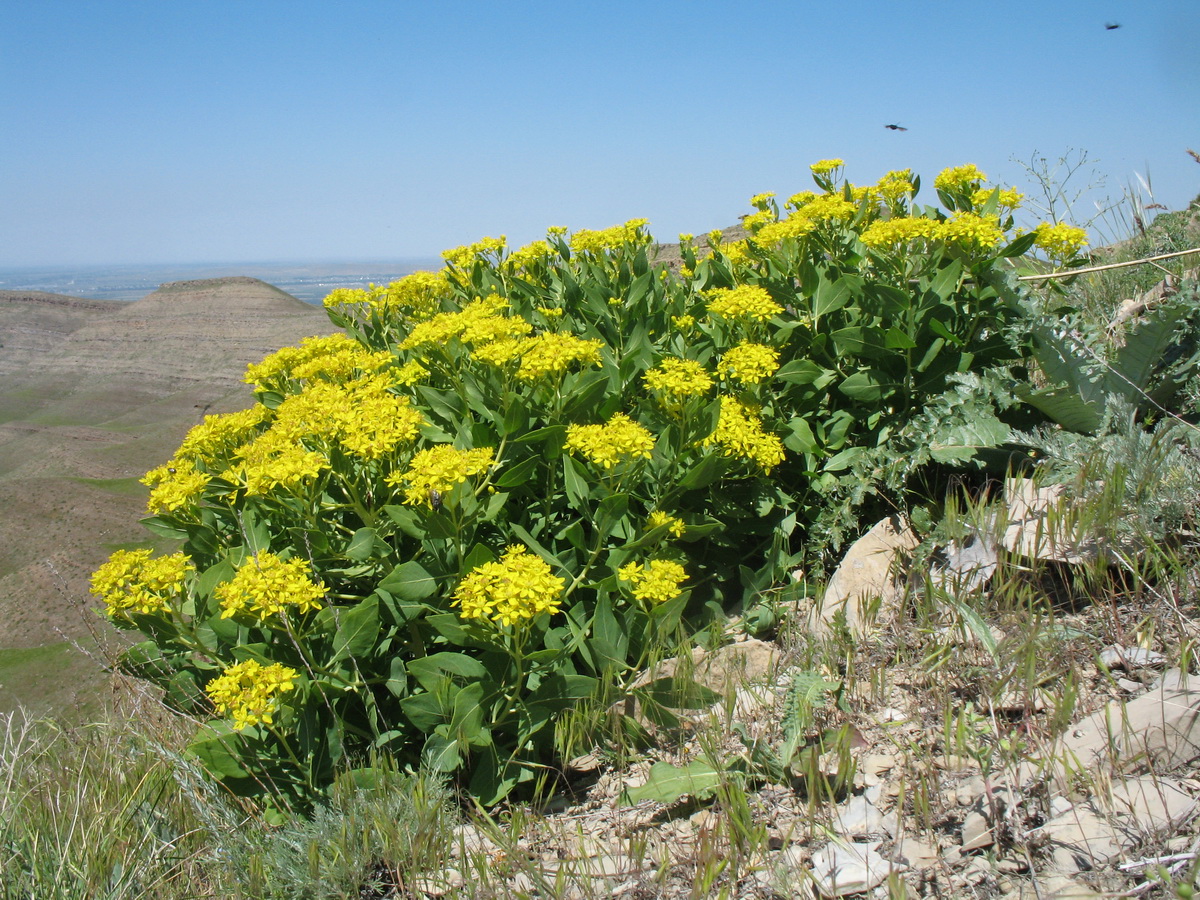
(575, 483)
(801, 438)
(361, 545)
(802, 371)
(441, 754)
(832, 296)
(164, 528)
(963, 441)
(518, 474)
(666, 783)
(219, 749)
(409, 581)
(358, 629)
(434, 670)
(406, 519)
(947, 279)
(866, 387)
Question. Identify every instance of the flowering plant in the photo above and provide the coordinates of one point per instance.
(509, 482)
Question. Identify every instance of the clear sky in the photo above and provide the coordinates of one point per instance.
(239, 130)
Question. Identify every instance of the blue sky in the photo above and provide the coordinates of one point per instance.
(183, 131)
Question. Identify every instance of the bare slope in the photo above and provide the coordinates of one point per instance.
(92, 394)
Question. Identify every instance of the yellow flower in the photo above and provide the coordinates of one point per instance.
(658, 581)
(217, 435)
(1061, 242)
(796, 225)
(1009, 198)
(675, 526)
(608, 240)
(248, 691)
(335, 357)
(745, 301)
(273, 461)
(380, 423)
(517, 588)
(959, 178)
(529, 256)
(266, 585)
(132, 581)
(174, 485)
(739, 434)
(749, 363)
(898, 231)
(970, 230)
(487, 249)
(551, 353)
(678, 378)
(825, 166)
(619, 440)
(683, 323)
(895, 185)
(436, 471)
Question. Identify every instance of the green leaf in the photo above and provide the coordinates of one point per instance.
(865, 387)
(441, 754)
(518, 474)
(219, 749)
(963, 440)
(703, 473)
(406, 520)
(609, 642)
(832, 296)
(357, 630)
(895, 339)
(946, 281)
(409, 581)
(801, 438)
(436, 669)
(361, 545)
(1019, 246)
(667, 783)
(803, 371)
(164, 528)
(575, 483)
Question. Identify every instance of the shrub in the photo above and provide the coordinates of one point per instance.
(516, 479)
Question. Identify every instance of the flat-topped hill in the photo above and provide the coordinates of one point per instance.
(92, 395)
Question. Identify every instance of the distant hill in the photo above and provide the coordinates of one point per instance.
(93, 394)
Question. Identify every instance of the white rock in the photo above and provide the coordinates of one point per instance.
(1040, 524)
(840, 870)
(865, 586)
(966, 567)
(859, 817)
(1129, 658)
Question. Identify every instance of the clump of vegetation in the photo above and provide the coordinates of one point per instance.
(527, 475)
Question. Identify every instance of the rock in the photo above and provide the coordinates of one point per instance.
(1149, 804)
(1053, 887)
(967, 567)
(915, 853)
(976, 832)
(1093, 833)
(865, 588)
(1129, 658)
(1160, 728)
(842, 869)
(1040, 525)
(860, 818)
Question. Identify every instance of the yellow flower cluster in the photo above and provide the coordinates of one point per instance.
(753, 222)
(683, 323)
(610, 239)
(266, 585)
(825, 166)
(133, 581)
(675, 526)
(275, 461)
(217, 435)
(552, 353)
(658, 581)
(381, 422)
(248, 691)
(486, 249)
(895, 185)
(959, 178)
(618, 440)
(335, 357)
(899, 231)
(419, 295)
(747, 301)
(801, 199)
(435, 471)
(795, 225)
(517, 588)
(1061, 242)
(749, 363)
(676, 379)
(971, 230)
(174, 486)
(739, 434)
(1006, 198)
(529, 256)
(478, 322)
